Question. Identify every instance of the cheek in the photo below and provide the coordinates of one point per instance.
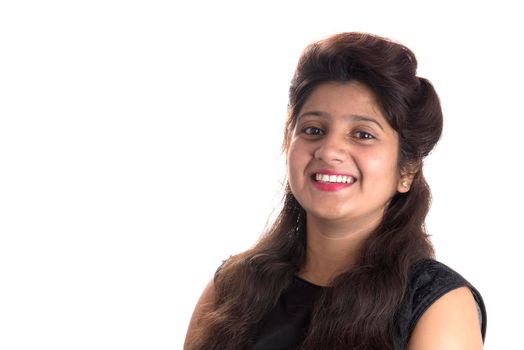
(382, 165)
(291, 162)
(297, 160)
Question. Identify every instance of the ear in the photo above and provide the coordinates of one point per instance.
(407, 174)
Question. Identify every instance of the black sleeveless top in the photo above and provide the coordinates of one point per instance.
(286, 325)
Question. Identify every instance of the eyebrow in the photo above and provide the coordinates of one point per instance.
(353, 117)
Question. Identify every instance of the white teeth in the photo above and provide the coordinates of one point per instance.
(334, 178)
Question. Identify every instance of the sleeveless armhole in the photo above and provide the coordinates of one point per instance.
(429, 281)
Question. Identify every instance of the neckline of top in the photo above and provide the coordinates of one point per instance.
(311, 284)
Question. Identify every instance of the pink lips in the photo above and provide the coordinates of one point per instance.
(330, 187)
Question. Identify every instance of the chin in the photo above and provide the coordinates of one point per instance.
(331, 215)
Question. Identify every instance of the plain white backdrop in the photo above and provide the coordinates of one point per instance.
(140, 146)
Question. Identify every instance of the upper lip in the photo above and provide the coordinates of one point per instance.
(332, 172)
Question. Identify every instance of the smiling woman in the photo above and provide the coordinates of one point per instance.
(347, 264)
(364, 149)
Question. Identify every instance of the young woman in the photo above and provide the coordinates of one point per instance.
(347, 264)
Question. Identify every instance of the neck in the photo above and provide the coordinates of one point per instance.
(332, 249)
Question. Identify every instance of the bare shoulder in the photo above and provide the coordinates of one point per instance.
(450, 323)
(204, 304)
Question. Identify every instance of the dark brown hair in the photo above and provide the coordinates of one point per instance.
(359, 309)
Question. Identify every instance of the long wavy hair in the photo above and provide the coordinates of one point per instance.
(360, 308)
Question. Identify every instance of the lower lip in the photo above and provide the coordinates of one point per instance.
(330, 187)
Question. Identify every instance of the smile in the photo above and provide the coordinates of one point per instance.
(341, 179)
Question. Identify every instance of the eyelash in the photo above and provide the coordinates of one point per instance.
(368, 137)
(319, 132)
(307, 131)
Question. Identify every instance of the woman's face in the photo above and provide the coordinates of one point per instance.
(342, 156)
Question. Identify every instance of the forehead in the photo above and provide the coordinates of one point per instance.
(343, 99)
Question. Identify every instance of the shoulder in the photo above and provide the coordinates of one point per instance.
(204, 304)
(441, 300)
(431, 279)
(450, 323)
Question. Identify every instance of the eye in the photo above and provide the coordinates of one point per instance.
(313, 131)
(362, 135)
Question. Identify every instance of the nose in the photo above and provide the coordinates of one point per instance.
(332, 149)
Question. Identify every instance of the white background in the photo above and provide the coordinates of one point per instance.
(140, 146)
